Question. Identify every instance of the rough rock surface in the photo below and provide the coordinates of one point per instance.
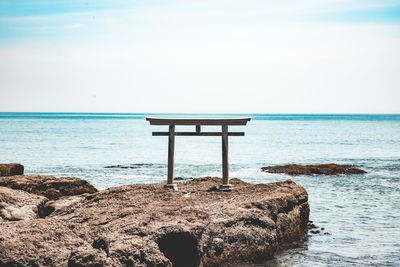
(19, 205)
(11, 169)
(48, 186)
(145, 225)
(321, 169)
(48, 207)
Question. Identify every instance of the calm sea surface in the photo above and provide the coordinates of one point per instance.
(360, 213)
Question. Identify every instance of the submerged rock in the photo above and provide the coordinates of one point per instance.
(135, 166)
(320, 169)
(121, 167)
(48, 186)
(145, 225)
(11, 169)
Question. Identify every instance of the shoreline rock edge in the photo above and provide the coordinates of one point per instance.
(145, 225)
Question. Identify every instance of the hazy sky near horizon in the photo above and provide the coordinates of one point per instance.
(253, 56)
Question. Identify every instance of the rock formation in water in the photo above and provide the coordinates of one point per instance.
(320, 169)
(145, 225)
(11, 169)
(134, 166)
(121, 167)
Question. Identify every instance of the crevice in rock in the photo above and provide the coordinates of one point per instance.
(10, 219)
(181, 248)
(43, 210)
(288, 208)
(101, 243)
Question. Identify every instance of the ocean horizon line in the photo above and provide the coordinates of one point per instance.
(254, 116)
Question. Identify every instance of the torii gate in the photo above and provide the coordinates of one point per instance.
(224, 123)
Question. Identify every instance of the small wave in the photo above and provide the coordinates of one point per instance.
(391, 168)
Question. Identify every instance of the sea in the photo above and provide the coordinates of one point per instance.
(358, 215)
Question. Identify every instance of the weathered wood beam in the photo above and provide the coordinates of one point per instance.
(198, 134)
(225, 164)
(166, 121)
(171, 148)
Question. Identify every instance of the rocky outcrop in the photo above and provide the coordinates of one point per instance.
(49, 206)
(48, 186)
(18, 205)
(145, 225)
(11, 169)
(321, 169)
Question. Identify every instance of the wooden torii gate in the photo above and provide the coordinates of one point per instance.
(224, 123)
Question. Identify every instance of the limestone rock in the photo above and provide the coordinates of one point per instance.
(145, 225)
(320, 169)
(53, 205)
(48, 186)
(10, 169)
(18, 205)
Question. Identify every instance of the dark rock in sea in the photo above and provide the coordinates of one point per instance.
(310, 225)
(11, 169)
(321, 169)
(121, 167)
(135, 166)
(145, 225)
(48, 186)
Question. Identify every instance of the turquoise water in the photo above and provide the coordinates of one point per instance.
(361, 213)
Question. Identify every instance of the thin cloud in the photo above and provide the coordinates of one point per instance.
(43, 28)
(72, 26)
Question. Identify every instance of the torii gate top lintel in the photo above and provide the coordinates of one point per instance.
(223, 122)
(198, 121)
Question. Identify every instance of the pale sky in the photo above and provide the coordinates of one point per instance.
(252, 56)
